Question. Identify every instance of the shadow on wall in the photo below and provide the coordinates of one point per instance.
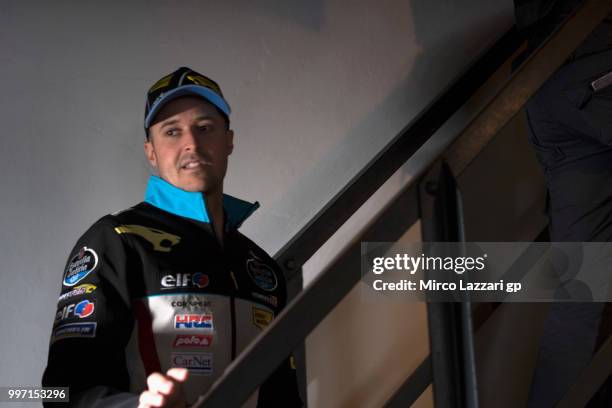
(442, 39)
(358, 347)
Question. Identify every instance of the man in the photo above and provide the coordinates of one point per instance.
(158, 299)
(570, 128)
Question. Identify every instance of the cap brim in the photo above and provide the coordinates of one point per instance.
(197, 90)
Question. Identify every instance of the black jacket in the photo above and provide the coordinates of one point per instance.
(150, 288)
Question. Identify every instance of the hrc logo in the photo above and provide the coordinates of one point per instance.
(193, 321)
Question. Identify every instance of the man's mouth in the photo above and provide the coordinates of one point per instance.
(191, 165)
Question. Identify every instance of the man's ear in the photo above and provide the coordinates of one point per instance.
(150, 153)
(230, 141)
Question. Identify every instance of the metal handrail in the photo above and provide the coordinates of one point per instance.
(303, 314)
(451, 334)
(502, 109)
(420, 378)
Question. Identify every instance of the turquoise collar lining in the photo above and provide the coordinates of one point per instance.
(167, 197)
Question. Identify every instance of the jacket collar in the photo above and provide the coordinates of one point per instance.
(167, 197)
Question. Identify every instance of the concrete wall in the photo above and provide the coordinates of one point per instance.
(317, 89)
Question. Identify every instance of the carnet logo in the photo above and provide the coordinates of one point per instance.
(193, 340)
(193, 321)
(196, 363)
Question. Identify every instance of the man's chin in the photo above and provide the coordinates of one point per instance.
(195, 186)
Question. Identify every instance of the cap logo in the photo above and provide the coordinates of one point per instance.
(161, 83)
(200, 80)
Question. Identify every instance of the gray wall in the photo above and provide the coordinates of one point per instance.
(317, 89)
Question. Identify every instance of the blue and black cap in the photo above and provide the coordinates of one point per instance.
(183, 81)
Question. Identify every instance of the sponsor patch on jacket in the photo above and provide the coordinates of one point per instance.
(83, 289)
(262, 275)
(83, 309)
(73, 330)
(185, 280)
(196, 363)
(191, 304)
(271, 299)
(261, 317)
(193, 321)
(162, 241)
(81, 265)
(193, 340)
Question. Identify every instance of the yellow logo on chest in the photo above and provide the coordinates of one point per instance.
(162, 241)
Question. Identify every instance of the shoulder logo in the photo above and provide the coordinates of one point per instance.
(83, 309)
(81, 265)
(261, 274)
(70, 330)
(82, 289)
(162, 241)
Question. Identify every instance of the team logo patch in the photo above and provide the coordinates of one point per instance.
(81, 310)
(196, 363)
(261, 317)
(71, 330)
(81, 265)
(191, 304)
(82, 289)
(193, 321)
(193, 340)
(261, 274)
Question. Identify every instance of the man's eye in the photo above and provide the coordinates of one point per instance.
(203, 128)
(171, 132)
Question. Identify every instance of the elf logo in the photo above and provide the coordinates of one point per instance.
(185, 280)
(81, 310)
(193, 321)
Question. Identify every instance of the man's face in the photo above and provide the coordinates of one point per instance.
(189, 145)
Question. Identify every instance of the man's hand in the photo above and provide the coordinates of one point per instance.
(165, 390)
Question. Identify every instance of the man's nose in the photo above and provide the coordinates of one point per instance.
(190, 139)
